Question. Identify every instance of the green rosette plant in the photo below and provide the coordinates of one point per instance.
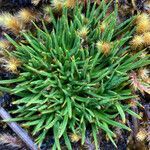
(74, 75)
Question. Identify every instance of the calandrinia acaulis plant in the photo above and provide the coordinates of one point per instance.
(74, 74)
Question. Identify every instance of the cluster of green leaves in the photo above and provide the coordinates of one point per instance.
(66, 83)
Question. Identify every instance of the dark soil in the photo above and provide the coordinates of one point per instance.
(5, 100)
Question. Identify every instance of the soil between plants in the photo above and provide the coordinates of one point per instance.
(123, 143)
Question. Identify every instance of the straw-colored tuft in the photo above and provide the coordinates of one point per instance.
(12, 65)
(75, 137)
(10, 22)
(144, 73)
(83, 32)
(143, 23)
(104, 47)
(146, 37)
(4, 44)
(70, 3)
(26, 15)
(103, 27)
(141, 135)
(137, 41)
(57, 5)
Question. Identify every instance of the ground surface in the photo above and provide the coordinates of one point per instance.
(126, 141)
